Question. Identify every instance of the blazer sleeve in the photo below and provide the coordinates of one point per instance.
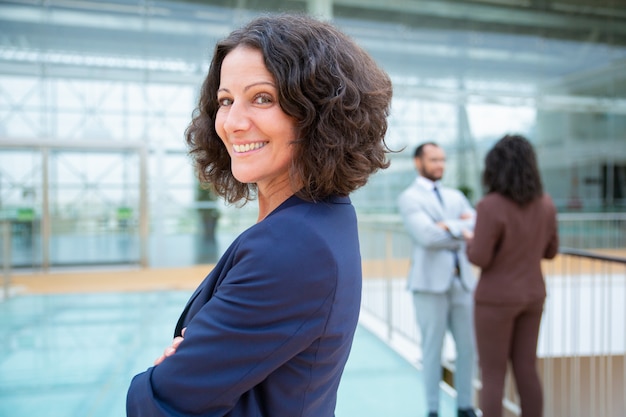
(457, 225)
(552, 245)
(420, 226)
(263, 313)
(487, 233)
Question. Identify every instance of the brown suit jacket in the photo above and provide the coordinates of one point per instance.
(508, 245)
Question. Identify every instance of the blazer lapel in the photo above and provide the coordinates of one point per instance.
(431, 205)
(204, 292)
(205, 286)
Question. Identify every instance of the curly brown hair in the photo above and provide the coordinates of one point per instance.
(333, 88)
(511, 170)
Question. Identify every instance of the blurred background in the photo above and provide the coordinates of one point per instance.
(95, 97)
(104, 230)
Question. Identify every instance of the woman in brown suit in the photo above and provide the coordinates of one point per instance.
(515, 229)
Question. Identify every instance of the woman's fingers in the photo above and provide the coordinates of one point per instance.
(170, 350)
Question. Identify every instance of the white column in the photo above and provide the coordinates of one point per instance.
(322, 9)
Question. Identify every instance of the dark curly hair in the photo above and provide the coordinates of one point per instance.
(511, 170)
(335, 91)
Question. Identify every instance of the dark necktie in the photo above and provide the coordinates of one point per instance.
(436, 190)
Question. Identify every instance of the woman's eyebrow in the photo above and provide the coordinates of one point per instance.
(246, 88)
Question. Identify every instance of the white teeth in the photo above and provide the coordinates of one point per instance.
(248, 147)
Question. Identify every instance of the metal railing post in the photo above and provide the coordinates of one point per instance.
(389, 282)
(6, 257)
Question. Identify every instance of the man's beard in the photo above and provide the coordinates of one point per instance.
(430, 176)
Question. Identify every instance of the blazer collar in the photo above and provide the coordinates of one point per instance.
(427, 184)
(295, 200)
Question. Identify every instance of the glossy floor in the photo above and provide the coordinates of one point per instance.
(73, 355)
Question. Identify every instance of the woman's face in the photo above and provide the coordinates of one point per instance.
(255, 130)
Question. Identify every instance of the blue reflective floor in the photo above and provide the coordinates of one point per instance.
(74, 355)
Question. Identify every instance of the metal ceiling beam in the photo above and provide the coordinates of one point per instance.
(505, 13)
(559, 19)
(541, 101)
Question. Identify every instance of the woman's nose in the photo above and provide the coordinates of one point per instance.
(237, 117)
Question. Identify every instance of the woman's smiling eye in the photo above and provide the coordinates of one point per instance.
(224, 101)
(263, 99)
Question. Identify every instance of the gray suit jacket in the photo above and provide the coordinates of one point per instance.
(432, 260)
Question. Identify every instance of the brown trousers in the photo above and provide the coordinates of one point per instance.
(509, 332)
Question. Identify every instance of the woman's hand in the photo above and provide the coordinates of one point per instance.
(170, 350)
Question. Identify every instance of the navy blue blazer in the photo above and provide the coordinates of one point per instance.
(270, 328)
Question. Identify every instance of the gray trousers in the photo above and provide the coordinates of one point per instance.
(436, 313)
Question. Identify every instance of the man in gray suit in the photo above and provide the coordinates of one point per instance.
(440, 277)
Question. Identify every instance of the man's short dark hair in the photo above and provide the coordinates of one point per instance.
(419, 151)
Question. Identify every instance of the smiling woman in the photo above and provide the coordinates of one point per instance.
(258, 135)
(333, 91)
(293, 114)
